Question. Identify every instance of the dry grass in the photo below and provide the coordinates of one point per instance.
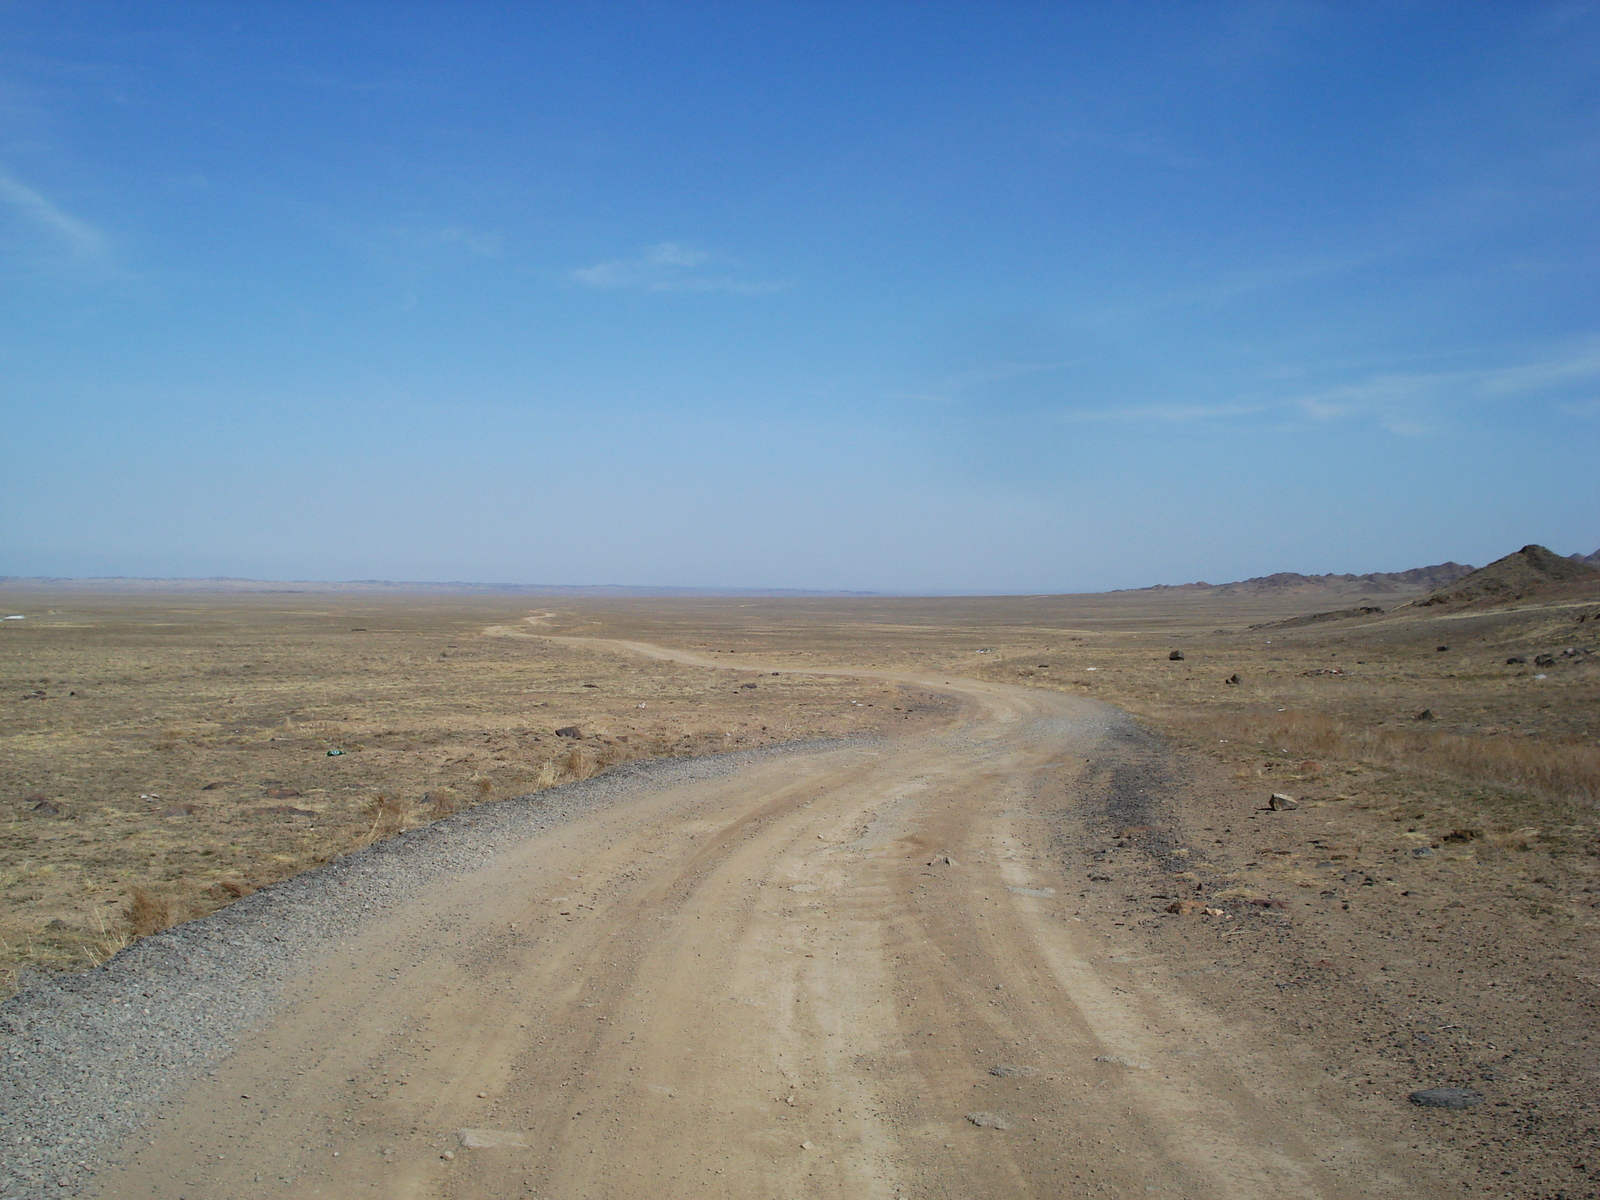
(182, 744)
(149, 912)
(388, 815)
(1549, 770)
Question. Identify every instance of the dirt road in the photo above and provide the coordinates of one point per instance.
(852, 972)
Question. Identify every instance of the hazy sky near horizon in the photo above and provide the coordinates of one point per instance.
(979, 297)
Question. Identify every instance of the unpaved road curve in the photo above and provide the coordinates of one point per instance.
(793, 980)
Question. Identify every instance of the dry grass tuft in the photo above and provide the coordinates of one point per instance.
(388, 817)
(442, 804)
(577, 764)
(148, 912)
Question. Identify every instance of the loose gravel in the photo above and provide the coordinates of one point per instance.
(88, 1058)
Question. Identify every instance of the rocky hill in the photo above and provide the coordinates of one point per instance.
(1533, 570)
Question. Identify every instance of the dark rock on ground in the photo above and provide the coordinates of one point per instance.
(1446, 1097)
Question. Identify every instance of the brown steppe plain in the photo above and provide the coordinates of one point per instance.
(1427, 915)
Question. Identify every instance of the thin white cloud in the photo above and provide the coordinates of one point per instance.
(1166, 412)
(38, 211)
(669, 267)
(1407, 404)
(949, 389)
(1393, 394)
(1583, 408)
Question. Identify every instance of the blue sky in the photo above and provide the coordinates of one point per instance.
(925, 297)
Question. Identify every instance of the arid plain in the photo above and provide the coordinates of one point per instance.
(1424, 912)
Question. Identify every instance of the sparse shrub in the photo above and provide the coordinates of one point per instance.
(148, 912)
(442, 804)
(575, 764)
(388, 816)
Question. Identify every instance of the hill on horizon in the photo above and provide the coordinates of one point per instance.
(1532, 570)
(1418, 579)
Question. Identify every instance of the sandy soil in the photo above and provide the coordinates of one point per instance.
(855, 973)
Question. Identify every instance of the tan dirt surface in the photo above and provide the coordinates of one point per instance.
(177, 748)
(875, 971)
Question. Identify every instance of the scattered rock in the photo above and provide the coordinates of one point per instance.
(1462, 835)
(1175, 656)
(282, 793)
(448, 1155)
(1006, 1071)
(1446, 1097)
(58, 924)
(1544, 660)
(1268, 902)
(1278, 802)
(1517, 660)
(1028, 891)
(284, 810)
(570, 731)
(1235, 678)
(747, 685)
(47, 808)
(988, 1120)
(1100, 879)
(491, 1139)
(180, 810)
(1425, 715)
(1422, 852)
(591, 685)
(1185, 908)
(1441, 649)
(1118, 1060)
(215, 784)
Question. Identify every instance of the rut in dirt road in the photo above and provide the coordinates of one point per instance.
(847, 972)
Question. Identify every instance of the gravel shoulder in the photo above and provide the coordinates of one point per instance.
(91, 1056)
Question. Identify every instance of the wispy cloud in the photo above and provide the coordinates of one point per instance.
(44, 216)
(957, 387)
(1397, 398)
(671, 267)
(1166, 412)
(1406, 403)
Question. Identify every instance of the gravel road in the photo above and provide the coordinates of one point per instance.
(844, 969)
(91, 1057)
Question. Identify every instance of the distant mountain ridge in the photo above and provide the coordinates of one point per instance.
(1417, 579)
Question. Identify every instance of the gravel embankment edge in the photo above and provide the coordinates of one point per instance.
(87, 1058)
